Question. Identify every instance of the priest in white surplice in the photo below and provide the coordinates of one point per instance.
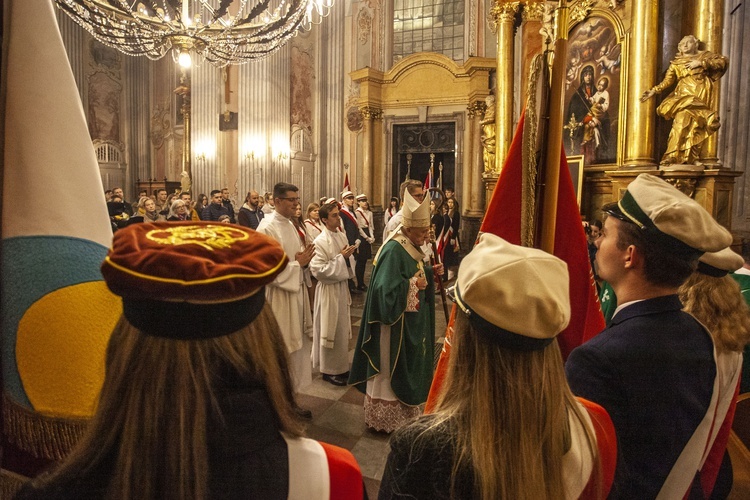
(286, 293)
(333, 266)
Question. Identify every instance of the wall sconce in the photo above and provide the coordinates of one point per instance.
(253, 147)
(280, 149)
(204, 150)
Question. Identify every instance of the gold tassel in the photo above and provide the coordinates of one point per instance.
(528, 153)
(43, 437)
(10, 483)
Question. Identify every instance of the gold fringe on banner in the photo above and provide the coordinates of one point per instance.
(43, 437)
(10, 483)
(529, 152)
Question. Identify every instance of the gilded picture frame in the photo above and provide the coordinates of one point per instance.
(597, 45)
(575, 165)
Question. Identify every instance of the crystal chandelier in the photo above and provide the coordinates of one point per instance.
(221, 31)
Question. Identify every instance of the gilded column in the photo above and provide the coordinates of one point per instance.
(532, 42)
(378, 185)
(368, 148)
(502, 21)
(473, 187)
(639, 128)
(705, 20)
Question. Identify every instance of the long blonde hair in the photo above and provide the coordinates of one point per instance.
(510, 413)
(157, 400)
(719, 305)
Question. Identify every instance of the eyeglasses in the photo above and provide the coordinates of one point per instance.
(291, 199)
(349, 198)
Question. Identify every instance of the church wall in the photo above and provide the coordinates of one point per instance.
(734, 134)
(309, 85)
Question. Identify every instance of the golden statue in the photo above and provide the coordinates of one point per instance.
(488, 135)
(689, 106)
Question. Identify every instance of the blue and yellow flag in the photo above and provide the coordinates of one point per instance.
(57, 313)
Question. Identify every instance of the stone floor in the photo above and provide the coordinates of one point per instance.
(338, 413)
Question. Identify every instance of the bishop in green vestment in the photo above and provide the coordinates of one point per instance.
(394, 356)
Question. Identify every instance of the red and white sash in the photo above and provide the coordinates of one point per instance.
(364, 216)
(309, 221)
(346, 213)
(320, 471)
(698, 448)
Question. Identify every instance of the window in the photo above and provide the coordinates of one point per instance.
(428, 26)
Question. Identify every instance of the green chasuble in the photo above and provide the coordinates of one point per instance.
(744, 282)
(412, 333)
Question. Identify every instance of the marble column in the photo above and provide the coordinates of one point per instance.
(264, 121)
(368, 148)
(204, 134)
(138, 74)
(641, 119)
(331, 88)
(473, 187)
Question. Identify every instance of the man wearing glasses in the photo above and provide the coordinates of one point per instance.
(286, 293)
(415, 189)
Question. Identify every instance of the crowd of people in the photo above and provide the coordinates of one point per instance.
(208, 409)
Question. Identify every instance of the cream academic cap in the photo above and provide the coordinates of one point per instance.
(671, 219)
(516, 296)
(415, 214)
(720, 263)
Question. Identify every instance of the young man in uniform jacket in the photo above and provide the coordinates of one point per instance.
(351, 227)
(653, 367)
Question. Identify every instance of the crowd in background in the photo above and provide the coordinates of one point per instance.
(655, 391)
(359, 223)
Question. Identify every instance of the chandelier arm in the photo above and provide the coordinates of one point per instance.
(153, 27)
(255, 11)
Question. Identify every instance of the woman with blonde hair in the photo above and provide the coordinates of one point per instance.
(197, 398)
(506, 424)
(715, 300)
(147, 207)
(313, 226)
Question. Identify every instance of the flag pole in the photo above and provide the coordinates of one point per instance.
(555, 131)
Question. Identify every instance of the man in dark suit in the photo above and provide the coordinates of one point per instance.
(351, 227)
(227, 203)
(653, 367)
(215, 209)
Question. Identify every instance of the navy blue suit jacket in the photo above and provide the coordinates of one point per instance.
(653, 370)
(351, 228)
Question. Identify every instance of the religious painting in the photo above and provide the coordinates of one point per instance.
(302, 83)
(104, 107)
(592, 93)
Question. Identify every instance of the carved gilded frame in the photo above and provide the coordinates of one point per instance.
(580, 12)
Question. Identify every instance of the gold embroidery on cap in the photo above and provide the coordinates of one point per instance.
(209, 237)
